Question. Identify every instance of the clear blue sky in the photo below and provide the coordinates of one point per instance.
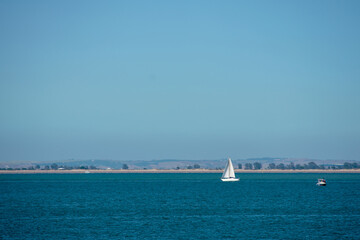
(155, 79)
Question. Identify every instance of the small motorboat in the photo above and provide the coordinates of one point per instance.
(321, 182)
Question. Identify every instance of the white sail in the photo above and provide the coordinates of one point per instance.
(226, 173)
(231, 169)
(229, 174)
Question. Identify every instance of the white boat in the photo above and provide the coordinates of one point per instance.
(321, 182)
(229, 174)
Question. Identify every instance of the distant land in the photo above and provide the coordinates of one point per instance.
(164, 164)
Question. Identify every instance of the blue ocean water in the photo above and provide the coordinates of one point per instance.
(179, 206)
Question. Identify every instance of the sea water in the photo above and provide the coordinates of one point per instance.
(179, 206)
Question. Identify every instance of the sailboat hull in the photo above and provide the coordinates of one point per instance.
(229, 179)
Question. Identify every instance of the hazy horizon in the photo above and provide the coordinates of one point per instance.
(179, 79)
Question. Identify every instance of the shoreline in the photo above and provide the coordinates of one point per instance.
(175, 171)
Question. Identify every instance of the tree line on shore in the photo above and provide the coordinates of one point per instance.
(53, 166)
(292, 166)
(245, 166)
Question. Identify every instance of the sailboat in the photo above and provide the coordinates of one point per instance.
(229, 174)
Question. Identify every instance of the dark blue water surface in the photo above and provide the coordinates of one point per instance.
(179, 206)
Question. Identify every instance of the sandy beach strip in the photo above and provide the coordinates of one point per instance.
(176, 171)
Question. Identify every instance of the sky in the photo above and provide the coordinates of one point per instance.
(142, 80)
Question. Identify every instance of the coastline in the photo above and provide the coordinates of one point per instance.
(175, 171)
